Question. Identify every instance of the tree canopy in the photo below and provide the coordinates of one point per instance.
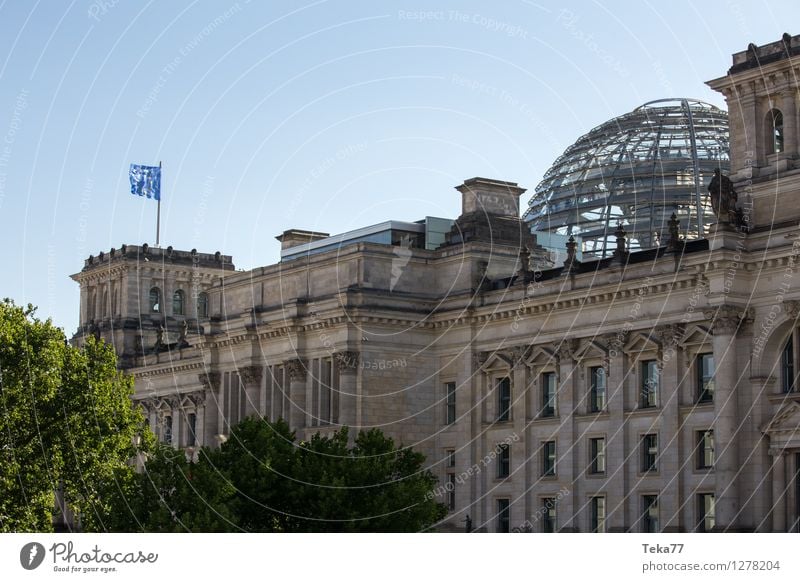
(263, 480)
(66, 424)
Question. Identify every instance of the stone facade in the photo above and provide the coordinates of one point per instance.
(648, 391)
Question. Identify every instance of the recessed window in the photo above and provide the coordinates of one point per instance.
(788, 379)
(649, 387)
(451, 491)
(503, 461)
(168, 430)
(549, 516)
(775, 136)
(503, 515)
(549, 458)
(597, 393)
(705, 377)
(504, 399)
(649, 452)
(155, 300)
(650, 513)
(548, 394)
(450, 403)
(192, 426)
(450, 455)
(177, 302)
(202, 305)
(597, 507)
(597, 451)
(705, 449)
(705, 512)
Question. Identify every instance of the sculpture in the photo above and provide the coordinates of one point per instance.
(723, 198)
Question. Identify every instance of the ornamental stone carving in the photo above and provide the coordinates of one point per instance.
(792, 309)
(564, 350)
(725, 319)
(197, 398)
(251, 374)
(297, 370)
(209, 380)
(517, 355)
(347, 361)
(479, 359)
(669, 335)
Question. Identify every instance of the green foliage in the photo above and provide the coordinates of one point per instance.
(261, 479)
(66, 421)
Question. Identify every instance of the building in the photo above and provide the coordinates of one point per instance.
(653, 390)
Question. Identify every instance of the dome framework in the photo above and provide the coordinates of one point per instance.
(635, 170)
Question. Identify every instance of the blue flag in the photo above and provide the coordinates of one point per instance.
(145, 181)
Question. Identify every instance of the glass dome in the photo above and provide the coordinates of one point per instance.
(636, 170)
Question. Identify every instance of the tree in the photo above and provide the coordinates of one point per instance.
(262, 480)
(66, 424)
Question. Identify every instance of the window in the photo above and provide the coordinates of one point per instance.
(705, 377)
(649, 452)
(788, 379)
(649, 391)
(705, 449)
(202, 305)
(775, 136)
(155, 300)
(548, 394)
(504, 399)
(548, 512)
(705, 512)
(598, 514)
(168, 430)
(503, 515)
(450, 404)
(503, 461)
(192, 430)
(597, 396)
(451, 491)
(450, 455)
(597, 448)
(650, 513)
(549, 458)
(177, 302)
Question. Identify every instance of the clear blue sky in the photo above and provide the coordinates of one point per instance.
(324, 115)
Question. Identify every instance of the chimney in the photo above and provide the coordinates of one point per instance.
(296, 237)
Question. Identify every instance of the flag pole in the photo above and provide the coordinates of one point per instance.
(158, 211)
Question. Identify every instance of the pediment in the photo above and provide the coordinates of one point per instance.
(640, 342)
(540, 356)
(696, 335)
(785, 423)
(591, 348)
(497, 361)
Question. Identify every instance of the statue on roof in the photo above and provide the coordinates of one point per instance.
(723, 198)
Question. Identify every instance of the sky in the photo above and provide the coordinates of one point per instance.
(327, 115)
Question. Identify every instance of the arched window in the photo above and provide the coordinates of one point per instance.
(788, 379)
(774, 131)
(202, 305)
(105, 303)
(155, 300)
(177, 302)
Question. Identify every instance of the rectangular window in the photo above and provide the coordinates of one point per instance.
(548, 511)
(705, 449)
(549, 458)
(168, 430)
(451, 491)
(450, 455)
(598, 455)
(503, 515)
(503, 461)
(548, 394)
(788, 379)
(598, 510)
(649, 452)
(705, 512)
(597, 395)
(192, 430)
(649, 389)
(705, 377)
(450, 404)
(504, 399)
(650, 513)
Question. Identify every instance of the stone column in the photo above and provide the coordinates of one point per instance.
(778, 490)
(669, 500)
(519, 387)
(568, 521)
(251, 378)
(297, 393)
(725, 322)
(212, 425)
(199, 400)
(347, 363)
(789, 110)
(615, 439)
(477, 510)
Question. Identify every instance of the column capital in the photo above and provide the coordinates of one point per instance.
(791, 308)
(564, 350)
(726, 319)
(347, 361)
(517, 355)
(251, 374)
(209, 380)
(197, 398)
(670, 334)
(479, 359)
(297, 369)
